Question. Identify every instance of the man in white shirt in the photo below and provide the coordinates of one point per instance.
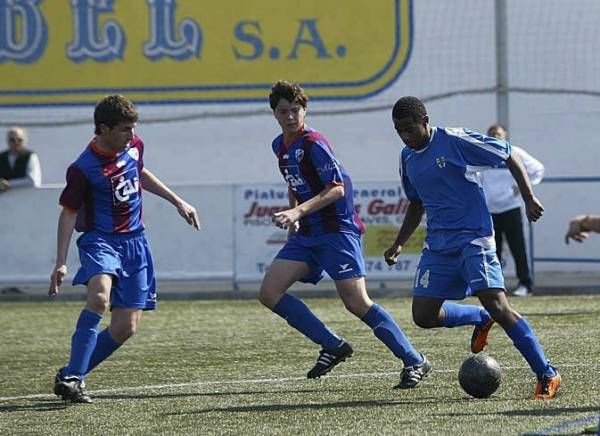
(504, 202)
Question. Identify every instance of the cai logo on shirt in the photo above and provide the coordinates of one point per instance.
(126, 186)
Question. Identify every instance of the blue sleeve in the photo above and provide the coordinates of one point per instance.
(325, 163)
(480, 150)
(407, 187)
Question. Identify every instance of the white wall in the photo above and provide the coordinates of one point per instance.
(29, 219)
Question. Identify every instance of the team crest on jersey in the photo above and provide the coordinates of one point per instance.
(134, 153)
(126, 186)
(299, 154)
(440, 161)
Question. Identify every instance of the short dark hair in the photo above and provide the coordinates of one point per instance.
(292, 92)
(409, 107)
(112, 110)
(494, 128)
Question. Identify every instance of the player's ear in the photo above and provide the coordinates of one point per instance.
(104, 129)
(425, 119)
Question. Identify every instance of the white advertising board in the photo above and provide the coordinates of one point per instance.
(381, 207)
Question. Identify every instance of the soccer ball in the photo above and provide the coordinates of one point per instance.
(480, 375)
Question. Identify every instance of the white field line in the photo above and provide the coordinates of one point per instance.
(251, 381)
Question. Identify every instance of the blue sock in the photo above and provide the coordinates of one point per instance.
(83, 343)
(463, 314)
(298, 315)
(105, 346)
(387, 331)
(528, 345)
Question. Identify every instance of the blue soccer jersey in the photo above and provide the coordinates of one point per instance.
(443, 176)
(105, 189)
(308, 165)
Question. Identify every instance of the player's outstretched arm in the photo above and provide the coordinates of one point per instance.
(151, 183)
(581, 226)
(412, 219)
(533, 207)
(66, 224)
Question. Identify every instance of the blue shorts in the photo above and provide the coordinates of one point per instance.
(458, 275)
(338, 254)
(127, 258)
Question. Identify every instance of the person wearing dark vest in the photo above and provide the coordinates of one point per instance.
(19, 166)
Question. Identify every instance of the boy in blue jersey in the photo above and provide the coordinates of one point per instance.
(324, 234)
(103, 200)
(439, 173)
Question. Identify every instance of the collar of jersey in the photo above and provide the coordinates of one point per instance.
(433, 130)
(99, 151)
(286, 144)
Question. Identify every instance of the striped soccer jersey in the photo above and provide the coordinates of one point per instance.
(309, 165)
(105, 189)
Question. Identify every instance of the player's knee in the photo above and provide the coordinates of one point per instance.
(122, 332)
(98, 303)
(267, 297)
(357, 307)
(503, 314)
(424, 320)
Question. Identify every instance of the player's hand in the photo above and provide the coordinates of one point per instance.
(286, 218)
(534, 209)
(574, 231)
(189, 214)
(391, 254)
(3, 185)
(56, 279)
(293, 229)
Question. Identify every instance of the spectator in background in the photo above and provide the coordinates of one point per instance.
(581, 226)
(504, 202)
(19, 166)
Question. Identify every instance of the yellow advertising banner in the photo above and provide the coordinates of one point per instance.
(62, 52)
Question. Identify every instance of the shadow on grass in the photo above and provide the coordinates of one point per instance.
(125, 396)
(40, 406)
(297, 407)
(551, 411)
(562, 313)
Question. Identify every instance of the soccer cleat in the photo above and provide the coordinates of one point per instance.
(329, 358)
(411, 376)
(70, 388)
(480, 336)
(547, 388)
(522, 291)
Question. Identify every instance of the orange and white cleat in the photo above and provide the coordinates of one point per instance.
(547, 388)
(480, 336)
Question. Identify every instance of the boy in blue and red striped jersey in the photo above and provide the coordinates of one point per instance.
(103, 200)
(324, 234)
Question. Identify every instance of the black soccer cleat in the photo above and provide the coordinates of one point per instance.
(329, 358)
(70, 388)
(411, 376)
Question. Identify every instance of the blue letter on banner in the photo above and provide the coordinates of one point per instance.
(164, 41)
(91, 42)
(29, 45)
